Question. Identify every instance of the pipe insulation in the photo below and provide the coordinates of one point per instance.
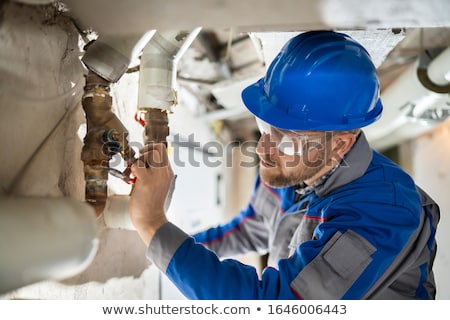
(157, 72)
(44, 239)
(117, 212)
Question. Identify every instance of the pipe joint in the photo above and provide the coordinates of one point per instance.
(106, 136)
(156, 126)
(93, 146)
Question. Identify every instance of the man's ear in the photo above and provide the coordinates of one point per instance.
(342, 143)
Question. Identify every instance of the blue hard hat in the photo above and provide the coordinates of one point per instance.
(320, 80)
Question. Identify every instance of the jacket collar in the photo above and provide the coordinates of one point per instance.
(353, 165)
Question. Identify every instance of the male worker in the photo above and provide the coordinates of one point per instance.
(338, 220)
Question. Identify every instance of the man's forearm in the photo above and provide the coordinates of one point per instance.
(147, 230)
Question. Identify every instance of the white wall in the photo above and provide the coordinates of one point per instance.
(431, 169)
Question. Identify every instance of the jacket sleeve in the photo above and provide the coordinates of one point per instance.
(247, 232)
(199, 274)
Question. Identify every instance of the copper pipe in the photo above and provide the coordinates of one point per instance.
(100, 119)
(156, 126)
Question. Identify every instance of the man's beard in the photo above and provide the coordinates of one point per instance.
(298, 169)
(280, 179)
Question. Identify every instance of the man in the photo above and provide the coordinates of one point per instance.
(338, 220)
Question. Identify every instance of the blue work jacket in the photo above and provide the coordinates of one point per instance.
(367, 232)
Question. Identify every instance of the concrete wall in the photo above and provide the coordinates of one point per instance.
(41, 82)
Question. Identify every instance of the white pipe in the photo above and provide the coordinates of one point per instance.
(407, 97)
(439, 68)
(157, 73)
(44, 239)
(116, 213)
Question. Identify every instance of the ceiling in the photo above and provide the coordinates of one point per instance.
(239, 39)
(220, 63)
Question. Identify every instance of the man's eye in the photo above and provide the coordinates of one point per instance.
(288, 145)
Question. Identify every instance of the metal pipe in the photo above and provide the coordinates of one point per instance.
(110, 55)
(104, 130)
(156, 127)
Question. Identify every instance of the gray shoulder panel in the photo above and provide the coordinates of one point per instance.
(336, 267)
(165, 242)
(265, 203)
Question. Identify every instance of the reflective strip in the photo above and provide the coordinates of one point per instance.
(342, 260)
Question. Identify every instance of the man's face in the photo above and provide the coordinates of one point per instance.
(313, 155)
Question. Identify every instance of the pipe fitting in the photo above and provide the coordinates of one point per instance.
(105, 135)
(156, 127)
(110, 56)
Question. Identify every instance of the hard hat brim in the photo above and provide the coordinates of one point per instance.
(257, 103)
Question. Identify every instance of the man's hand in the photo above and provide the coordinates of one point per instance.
(154, 180)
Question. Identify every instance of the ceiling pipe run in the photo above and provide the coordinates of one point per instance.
(44, 239)
(414, 103)
(258, 15)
